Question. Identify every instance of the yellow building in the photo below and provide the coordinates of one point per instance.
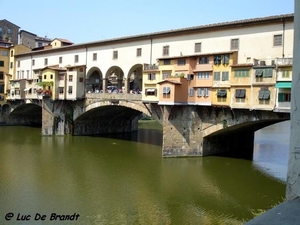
(221, 93)
(241, 85)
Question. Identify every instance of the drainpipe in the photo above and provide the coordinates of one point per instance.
(85, 72)
(283, 36)
(150, 50)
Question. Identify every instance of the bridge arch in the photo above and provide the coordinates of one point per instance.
(109, 116)
(26, 114)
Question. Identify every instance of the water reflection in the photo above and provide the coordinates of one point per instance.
(271, 149)
(115, 181)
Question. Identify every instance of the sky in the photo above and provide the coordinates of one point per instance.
(93, 20)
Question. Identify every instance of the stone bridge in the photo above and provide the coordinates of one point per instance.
(187, 130)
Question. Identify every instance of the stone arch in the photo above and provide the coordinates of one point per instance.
(135, 77)
(94, 79)
(138, 106)
(5, 109)
(114, 78)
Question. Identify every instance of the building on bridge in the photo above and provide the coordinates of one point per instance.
(195, 81)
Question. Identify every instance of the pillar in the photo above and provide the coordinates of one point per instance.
(293, 174)
(181, 131)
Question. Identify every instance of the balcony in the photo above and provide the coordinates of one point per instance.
(284, 61)
(149, 67)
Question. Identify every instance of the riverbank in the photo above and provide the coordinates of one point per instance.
(285, 213)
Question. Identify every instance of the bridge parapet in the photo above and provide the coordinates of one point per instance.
(118, 96)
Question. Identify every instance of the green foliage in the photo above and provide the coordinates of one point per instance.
(45, 83)
(181, 75)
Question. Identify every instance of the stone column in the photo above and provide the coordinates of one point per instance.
(47, 120)
(104, 85)
(293, 175)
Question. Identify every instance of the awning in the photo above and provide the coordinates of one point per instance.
(150, 90)
(283, 85)
(27, 89)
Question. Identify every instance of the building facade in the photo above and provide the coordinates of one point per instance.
(233, 64)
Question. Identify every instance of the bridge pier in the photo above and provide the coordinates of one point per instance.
(54, 117)
(182, 135)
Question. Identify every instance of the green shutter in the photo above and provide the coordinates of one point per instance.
(280, 97)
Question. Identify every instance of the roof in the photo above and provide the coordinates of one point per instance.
(9, 22)
(63, 40)
(169, 81)
(208, 27)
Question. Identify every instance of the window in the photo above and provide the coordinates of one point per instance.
(27, 73)
(197, 47)
(60, 59)
(61, 90)
(284, 97)
(202, 92)
(22, 74)
(181, 62)
(76, 58)
(70, 89)
(217, 76)
(264, 96)
(166, 90)
(166, 50)
(190, 77)
(18, 74)
(45, 61)
(225, 76)
(19, 63)
(191, 92)
(167, 62)
(4, 53)
(277, 40)
(234, 44)
(80, 79)
(241, 73)
(40, 44)
(166, 74)
(45, 77)
(203, 60)
(94, 56)
(11, 65)
(11, 53)
(203, 75)
(150, 91)
(285, 73)
(1, 88)
(61, 77)
(33, 62)
(81, 69)
(70, 78)
(138, 52)
(217, 59)
(51, 76)
(8, 31)
(1, 75)
(221, 95)
(115, 54)
(240, 94)
(225, 59)
(151, 76)
(266, 73)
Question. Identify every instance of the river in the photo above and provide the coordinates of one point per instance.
(124, 180)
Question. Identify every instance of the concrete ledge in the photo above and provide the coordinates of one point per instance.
(287, 213)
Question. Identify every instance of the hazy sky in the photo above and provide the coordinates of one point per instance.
(92, 20)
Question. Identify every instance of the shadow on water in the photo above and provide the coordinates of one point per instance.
(150, 132)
